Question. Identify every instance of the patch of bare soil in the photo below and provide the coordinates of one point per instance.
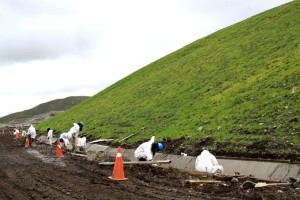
(261, 149)
(36, 173)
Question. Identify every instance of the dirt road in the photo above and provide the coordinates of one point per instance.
(36, 173)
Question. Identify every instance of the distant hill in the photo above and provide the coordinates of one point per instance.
(230, 91)
(41, 112)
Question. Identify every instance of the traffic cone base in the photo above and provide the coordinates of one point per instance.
(118, 173)
(116, 179)
(58, 149)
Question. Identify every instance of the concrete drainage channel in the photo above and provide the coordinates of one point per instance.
(259, 169)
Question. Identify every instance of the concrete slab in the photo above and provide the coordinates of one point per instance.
(96, 150)
(262, 169)
(259, 169)
(43, 139)
(180, 162)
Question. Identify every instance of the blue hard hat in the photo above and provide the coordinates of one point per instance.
(160, 146)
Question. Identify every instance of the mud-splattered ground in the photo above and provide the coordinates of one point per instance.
(36, 173)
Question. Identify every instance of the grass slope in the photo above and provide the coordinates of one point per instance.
(55, 105)
(231, 91)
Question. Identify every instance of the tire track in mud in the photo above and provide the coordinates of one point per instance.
(10, 166)
(27, 175)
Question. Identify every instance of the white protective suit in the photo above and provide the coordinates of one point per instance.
(73, 132)
(144, 150)
(81, 142)
(67, 144)
(32, 132)
(16, 131)
(206, 162)
(71, 136)
(50, 136)
(24, 134)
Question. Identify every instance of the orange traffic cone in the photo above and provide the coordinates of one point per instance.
(58, 149)
(17, 136)
(27, 142)
(118, 173)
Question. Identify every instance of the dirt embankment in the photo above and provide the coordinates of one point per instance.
(36, 173)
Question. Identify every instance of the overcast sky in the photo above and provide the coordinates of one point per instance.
(52, 49)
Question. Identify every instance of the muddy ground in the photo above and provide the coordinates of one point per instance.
(36, 173)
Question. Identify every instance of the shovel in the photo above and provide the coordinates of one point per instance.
(263, 184)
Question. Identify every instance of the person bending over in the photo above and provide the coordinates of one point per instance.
(146, 150)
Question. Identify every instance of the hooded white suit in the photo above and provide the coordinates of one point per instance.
(206, 162)
(71, 136)
(32, 132)
(50, 136)
(144, 150)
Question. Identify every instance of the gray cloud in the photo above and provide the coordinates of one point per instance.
(39, 46)
(38, 30)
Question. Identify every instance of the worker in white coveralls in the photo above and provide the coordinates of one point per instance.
(31, 134)
(207, 162)
(17, 135)
(50, 135)
(76, 132)
(72, 135)
(146, 150)
(16, 131)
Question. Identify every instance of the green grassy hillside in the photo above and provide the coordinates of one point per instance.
(55, 105)
(230, 91)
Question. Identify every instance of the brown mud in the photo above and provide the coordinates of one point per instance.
(36, 173)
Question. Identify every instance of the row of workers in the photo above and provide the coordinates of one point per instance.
(31, 134)
(205, 162)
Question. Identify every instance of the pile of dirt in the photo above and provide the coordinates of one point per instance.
(36, 173)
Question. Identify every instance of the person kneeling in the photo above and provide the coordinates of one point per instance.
(207, 162)
(146, 150)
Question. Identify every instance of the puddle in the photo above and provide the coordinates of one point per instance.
(46, 159)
